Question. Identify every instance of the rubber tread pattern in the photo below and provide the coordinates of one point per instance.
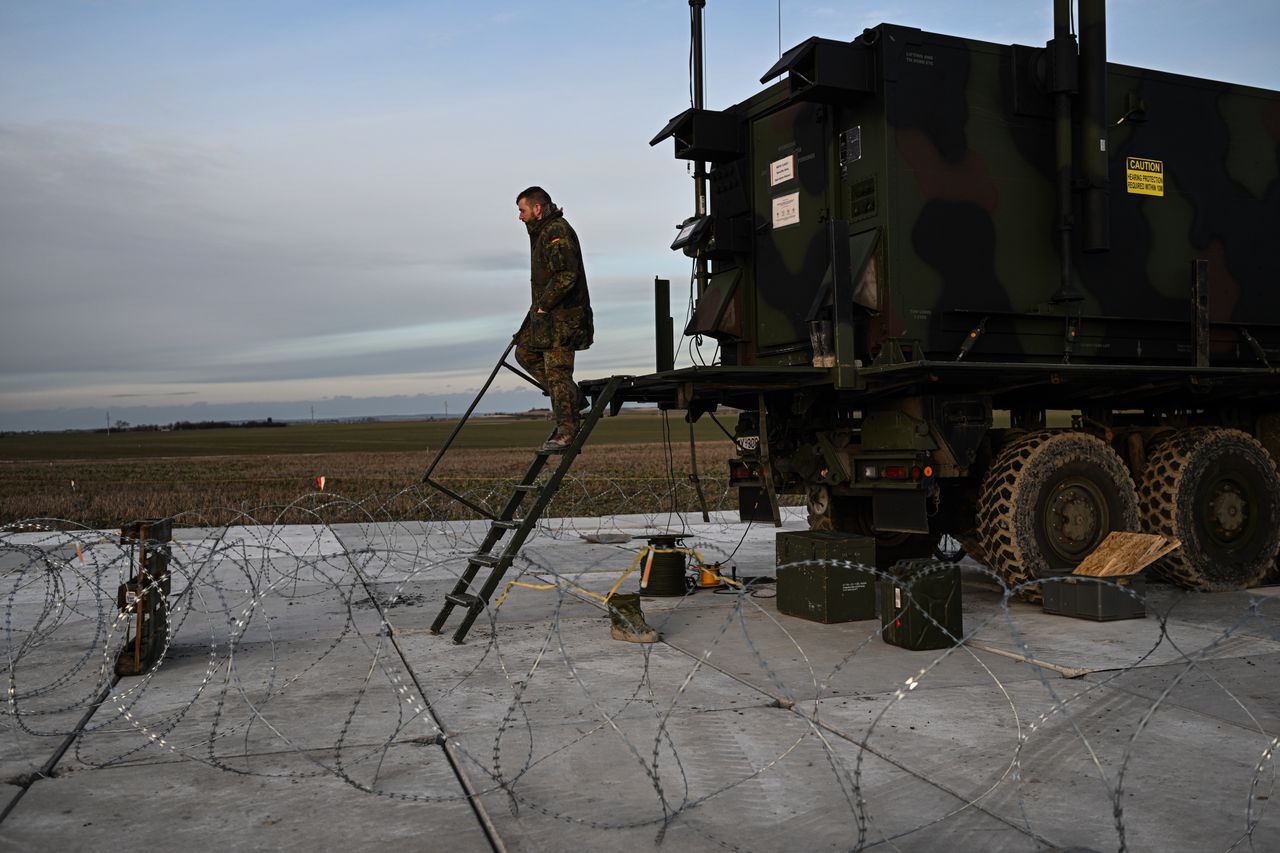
(1166, 491)
(1006, 506)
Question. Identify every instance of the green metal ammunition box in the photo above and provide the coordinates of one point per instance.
(920, 607)
(793, 546)
(826, 592)
(1099, 599)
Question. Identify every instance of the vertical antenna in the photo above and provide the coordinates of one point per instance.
(699, 97)
(699, 166)
(1063, 74)
(1092, 126)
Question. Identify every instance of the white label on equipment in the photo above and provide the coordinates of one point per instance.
(782, 170)
(897, 598)
(786, 210)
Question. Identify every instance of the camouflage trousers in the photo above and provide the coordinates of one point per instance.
(553, 369)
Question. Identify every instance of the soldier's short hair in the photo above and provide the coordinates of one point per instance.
(536, 195)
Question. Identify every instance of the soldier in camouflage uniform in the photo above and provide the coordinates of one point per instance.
(559, 320)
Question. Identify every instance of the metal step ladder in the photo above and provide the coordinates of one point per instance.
(519, 515)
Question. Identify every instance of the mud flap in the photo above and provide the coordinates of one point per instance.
(753, 504)
(900, 512)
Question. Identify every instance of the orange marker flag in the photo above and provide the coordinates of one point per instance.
(320, 482)
(80, 553)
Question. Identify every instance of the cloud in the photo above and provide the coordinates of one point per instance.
(231, 201)
(137, 257)
(123, 250)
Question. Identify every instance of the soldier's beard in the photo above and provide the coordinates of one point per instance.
(534, 225)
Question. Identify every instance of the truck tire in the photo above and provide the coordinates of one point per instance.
(1047, 501)
(1217, 492)
(971, 542)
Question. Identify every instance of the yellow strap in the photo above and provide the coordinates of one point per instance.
(503, 597)
(604, 599)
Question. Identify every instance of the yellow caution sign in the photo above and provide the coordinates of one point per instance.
(1144, 176)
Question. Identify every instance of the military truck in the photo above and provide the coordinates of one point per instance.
(1017, 295)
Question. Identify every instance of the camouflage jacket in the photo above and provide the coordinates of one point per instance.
(559, 287)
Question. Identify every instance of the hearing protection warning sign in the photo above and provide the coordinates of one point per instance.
(1144, 176)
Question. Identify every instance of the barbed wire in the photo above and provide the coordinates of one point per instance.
(297, 647)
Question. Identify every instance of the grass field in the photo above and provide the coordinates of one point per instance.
(372, 471)
(630, 427)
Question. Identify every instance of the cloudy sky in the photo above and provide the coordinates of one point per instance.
(285, 200)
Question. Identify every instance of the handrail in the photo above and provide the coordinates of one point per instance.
(448, 442)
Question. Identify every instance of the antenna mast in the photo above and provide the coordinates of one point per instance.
(699, 166)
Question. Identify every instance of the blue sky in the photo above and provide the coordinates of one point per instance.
(257, 202)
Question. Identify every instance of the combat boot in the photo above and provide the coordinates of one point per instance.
(560, 440)
(627, 620)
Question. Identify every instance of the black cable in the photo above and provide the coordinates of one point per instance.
(727, 434)
(718, 563)
(688, 306)
(692, 16)
(669, 456)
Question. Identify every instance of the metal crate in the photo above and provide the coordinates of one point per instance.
(1099, 599)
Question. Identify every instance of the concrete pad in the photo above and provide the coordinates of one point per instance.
(8, 793)
(799, 660)
(1241, 691)
(1252, 612)
(565, 671)
(302, 677)
(204, 615)
(757, 778)
(56, 669)
(1016, 757)
(190, 806)
(340, 698)
(1082, 645)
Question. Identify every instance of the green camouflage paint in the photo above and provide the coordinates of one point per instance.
(940, 157)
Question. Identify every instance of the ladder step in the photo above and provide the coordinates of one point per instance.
(464, 599)
(543, 492)
(501, 562)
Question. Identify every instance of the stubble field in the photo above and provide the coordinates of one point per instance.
(634, 463)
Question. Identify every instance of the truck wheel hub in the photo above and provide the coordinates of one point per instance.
(1228, 512)
(1073, 519)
